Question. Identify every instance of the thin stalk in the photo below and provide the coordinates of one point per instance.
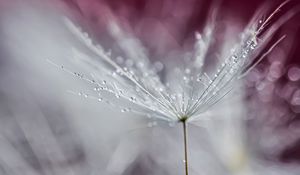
(185, 147)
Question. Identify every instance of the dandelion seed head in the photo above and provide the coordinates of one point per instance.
(171, 94)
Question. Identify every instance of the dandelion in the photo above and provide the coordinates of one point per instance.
(133, 84)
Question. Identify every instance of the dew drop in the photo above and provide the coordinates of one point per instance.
(187, 71)
(119, 71)
(234, 58)
(100, 99)
(119, 60)
(253, 46)
(132, 99)
(198, 36)
(296, 98)
(294, 74)
(125, 110)
(140, 64)
(158, 66)
(149, 116)
(200, 79)
(114, 74)
(231, 71)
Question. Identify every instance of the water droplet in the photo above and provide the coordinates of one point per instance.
(104, 82)
(185, 78)
(100, 99)
(114, 74)
(198, 36)
(119, 71)
(158, 66)
(132, 99)
(232, 70)
(187, 71)
(173, 96)
(119, 60)
(125, 110)
(234, 59)
(253, 45)
(140, 64)
(294, 73)
(296, 98)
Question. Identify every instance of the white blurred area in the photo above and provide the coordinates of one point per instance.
(44, 130)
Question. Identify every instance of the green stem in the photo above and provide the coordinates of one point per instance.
(185, 147)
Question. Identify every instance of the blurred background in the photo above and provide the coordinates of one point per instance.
(44, 130)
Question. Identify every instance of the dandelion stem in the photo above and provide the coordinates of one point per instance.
(185, 146)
